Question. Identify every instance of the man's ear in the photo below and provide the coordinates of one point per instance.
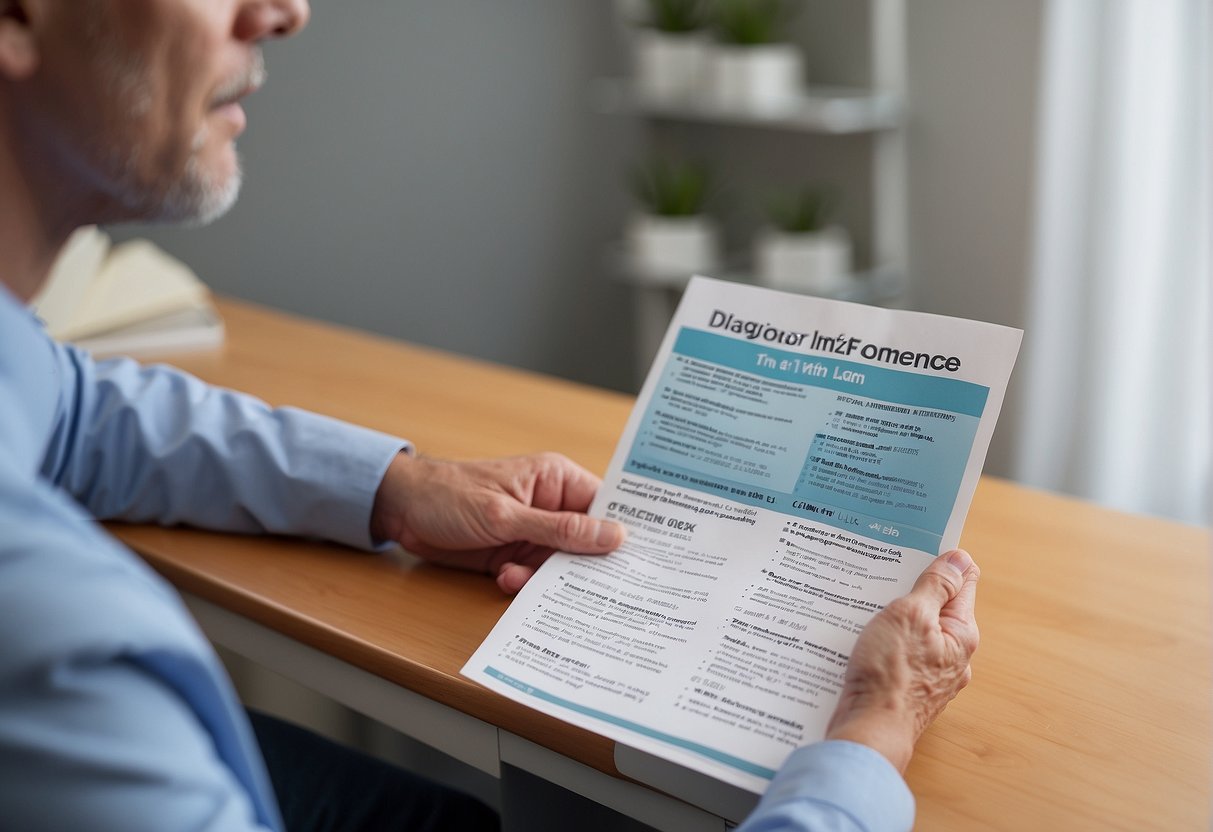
(18, 47)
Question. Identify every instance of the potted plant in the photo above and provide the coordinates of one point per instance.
(672, 237)
(803, 251)
(752, 68)
(671, 51)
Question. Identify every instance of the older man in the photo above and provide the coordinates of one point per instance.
(114, 712)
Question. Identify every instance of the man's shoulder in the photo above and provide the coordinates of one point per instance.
(70, 590)
(38, 518)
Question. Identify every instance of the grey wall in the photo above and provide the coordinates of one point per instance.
(973, 75)
(436, 171)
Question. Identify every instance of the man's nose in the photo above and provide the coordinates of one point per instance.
(262, 19)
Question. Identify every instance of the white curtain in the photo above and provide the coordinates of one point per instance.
(1116, 359)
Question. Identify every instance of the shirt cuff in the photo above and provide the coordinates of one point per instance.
(840, 778)
(345, 464)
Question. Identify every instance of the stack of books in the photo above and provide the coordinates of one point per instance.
(129, 299)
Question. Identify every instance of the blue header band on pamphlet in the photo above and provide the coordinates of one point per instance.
(914, 389)
(867, 450)
(703, 750)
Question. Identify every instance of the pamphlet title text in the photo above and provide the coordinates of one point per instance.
(840, 344)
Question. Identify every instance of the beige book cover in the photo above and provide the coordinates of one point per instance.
(129, 298)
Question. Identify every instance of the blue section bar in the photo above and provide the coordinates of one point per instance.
(703, 750)
(903, 387)
(824, 511)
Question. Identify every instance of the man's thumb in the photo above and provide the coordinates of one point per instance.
(943, 577)
(568, 531)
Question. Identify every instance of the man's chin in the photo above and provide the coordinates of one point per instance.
(214, 204)
(198, 198)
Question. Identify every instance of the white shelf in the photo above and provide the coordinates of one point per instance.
(878, 112)
(874, 286)
(821, 110)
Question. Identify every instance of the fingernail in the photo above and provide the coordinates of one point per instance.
(608, 533)
(959, 559)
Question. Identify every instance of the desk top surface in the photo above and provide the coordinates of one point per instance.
(1090, 705)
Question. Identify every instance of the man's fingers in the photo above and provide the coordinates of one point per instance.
(944, 578)
(513, 576)
(958, 616)
(568, 531)
(563, 484)
(962, 605)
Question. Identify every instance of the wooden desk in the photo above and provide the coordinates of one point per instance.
(1090, 705)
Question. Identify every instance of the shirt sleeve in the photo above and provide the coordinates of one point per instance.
(153, 444)
(114, 714)
(834, 786)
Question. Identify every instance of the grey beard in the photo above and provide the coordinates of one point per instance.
(194, 200)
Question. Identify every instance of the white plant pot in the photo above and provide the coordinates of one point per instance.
(666, 248)
(670, 67)
(768, 79)
(817, 262)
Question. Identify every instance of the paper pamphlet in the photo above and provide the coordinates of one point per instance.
(791, 466)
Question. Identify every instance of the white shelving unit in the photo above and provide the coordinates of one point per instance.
(878, 112)
(833, 110)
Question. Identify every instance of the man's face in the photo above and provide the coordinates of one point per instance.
(140, 98)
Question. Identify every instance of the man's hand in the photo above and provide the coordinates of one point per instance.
(504, 516)
(910, 661)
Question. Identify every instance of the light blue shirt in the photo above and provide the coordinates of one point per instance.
(834, 786)
(115, 713)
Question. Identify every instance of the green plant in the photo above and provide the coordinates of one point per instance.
(751, 22)
(676, 16)
(672, 189)
(803, 210)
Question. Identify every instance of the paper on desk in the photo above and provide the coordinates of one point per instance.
(790, 467)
